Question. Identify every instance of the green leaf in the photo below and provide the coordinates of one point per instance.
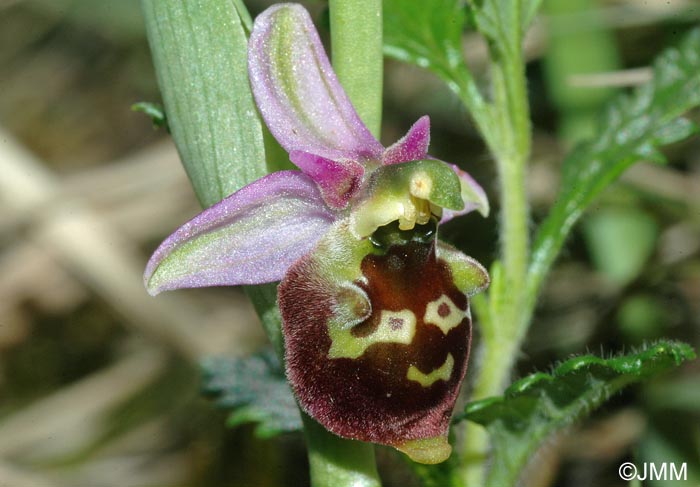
(536, 406)
(427, 33)
(244, 15)
(202, 73)
(255, 390)
(634, 128)
(503, 22)
(487, 18)
(154, 111)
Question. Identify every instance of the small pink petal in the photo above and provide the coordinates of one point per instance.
(338, 181)
(413, 146)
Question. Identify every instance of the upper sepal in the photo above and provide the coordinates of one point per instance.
(297, 92)
(251, 237)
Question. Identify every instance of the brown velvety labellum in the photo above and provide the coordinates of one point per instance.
(394, 376)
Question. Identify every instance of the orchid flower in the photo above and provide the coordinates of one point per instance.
(375, 310)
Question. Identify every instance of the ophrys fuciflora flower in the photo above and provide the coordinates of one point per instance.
(375, 308)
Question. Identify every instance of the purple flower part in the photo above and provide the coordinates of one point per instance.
(251, 237)
(413, 146)
(473, 195)
(297, 92)
(338, 181)
(309, 113)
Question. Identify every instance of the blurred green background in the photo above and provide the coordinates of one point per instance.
(99, 384)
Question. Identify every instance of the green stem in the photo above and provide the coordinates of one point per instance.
(514, 221)
(356, 48)
(506, 324)
(264, 299)
(335, 462)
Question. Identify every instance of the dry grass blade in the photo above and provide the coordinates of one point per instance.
(13, 476)
(101, 256)
(65, 416)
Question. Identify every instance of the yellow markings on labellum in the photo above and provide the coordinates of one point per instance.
(394, 327)
(444, 314)
(441, 373)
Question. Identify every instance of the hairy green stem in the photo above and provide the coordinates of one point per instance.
(356, 49)
(506, 324)
(264, 299)
(514, 226)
